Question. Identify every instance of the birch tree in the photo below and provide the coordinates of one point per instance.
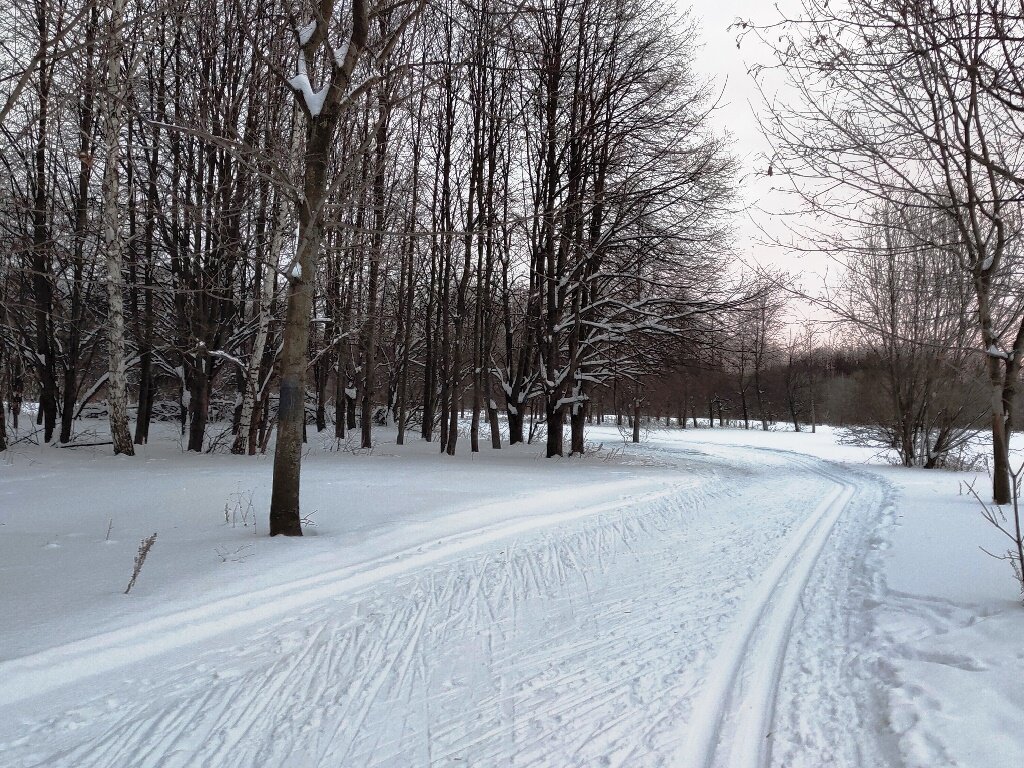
(113, 239)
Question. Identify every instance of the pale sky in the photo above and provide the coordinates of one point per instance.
(719, 60)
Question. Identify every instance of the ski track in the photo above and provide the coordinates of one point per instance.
(732, 721)
(654, 631)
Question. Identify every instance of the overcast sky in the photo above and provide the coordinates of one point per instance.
(719, 60)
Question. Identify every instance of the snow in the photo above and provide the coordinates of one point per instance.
(306, 33)
(994, 351)
(711, 597)
(783, 583)
(227, 356)
(953, 674)
(339, 55)
(296, 272)
(313, 99)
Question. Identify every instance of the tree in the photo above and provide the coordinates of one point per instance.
(908, 303)
(324, 108)
(900, 99)
(115, 92)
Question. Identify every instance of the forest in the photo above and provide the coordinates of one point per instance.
(259, 218)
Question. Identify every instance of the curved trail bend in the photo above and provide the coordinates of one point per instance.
(706, 624)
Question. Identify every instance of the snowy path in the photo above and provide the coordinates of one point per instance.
(743, 679)
(708, 621)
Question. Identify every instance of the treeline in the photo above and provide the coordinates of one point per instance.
(931, 421)
(379, 209)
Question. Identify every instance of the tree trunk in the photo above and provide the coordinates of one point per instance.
(284, 501)
(268, 268)
(320, 373)
(376, 255)
(199, 400)
(814, 417)
(3, 404)
(113, 240)
(340, 401)
(409, 273)
(494, 424)
(3, 407)
(515, 423)
(147, 382)
(555, 417)
(42, 287)
(1001, 490)
(72, 346)
(577, 423)
(320, 131)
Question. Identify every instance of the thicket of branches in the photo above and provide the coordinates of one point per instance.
(379, 210)
(916, 107)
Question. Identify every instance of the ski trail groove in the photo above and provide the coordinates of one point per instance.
(741, 684)
(583, 642)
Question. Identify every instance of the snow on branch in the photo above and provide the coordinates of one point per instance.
(98, 385)
(305, 33)
(227, 356)
(314, 100)
(339, 55)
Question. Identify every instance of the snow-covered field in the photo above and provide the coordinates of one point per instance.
(707, 598)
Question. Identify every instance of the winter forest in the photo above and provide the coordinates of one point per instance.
(630, 398)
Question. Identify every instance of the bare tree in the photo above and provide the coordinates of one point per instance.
(908, 303)
(897, 98)
(324, 108)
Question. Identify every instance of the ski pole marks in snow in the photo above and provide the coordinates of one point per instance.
(582, 641)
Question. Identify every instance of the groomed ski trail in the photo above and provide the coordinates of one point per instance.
(649, 628)
(38, 673)
(732, 718)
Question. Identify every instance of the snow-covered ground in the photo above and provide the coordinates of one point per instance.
(707, 598)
